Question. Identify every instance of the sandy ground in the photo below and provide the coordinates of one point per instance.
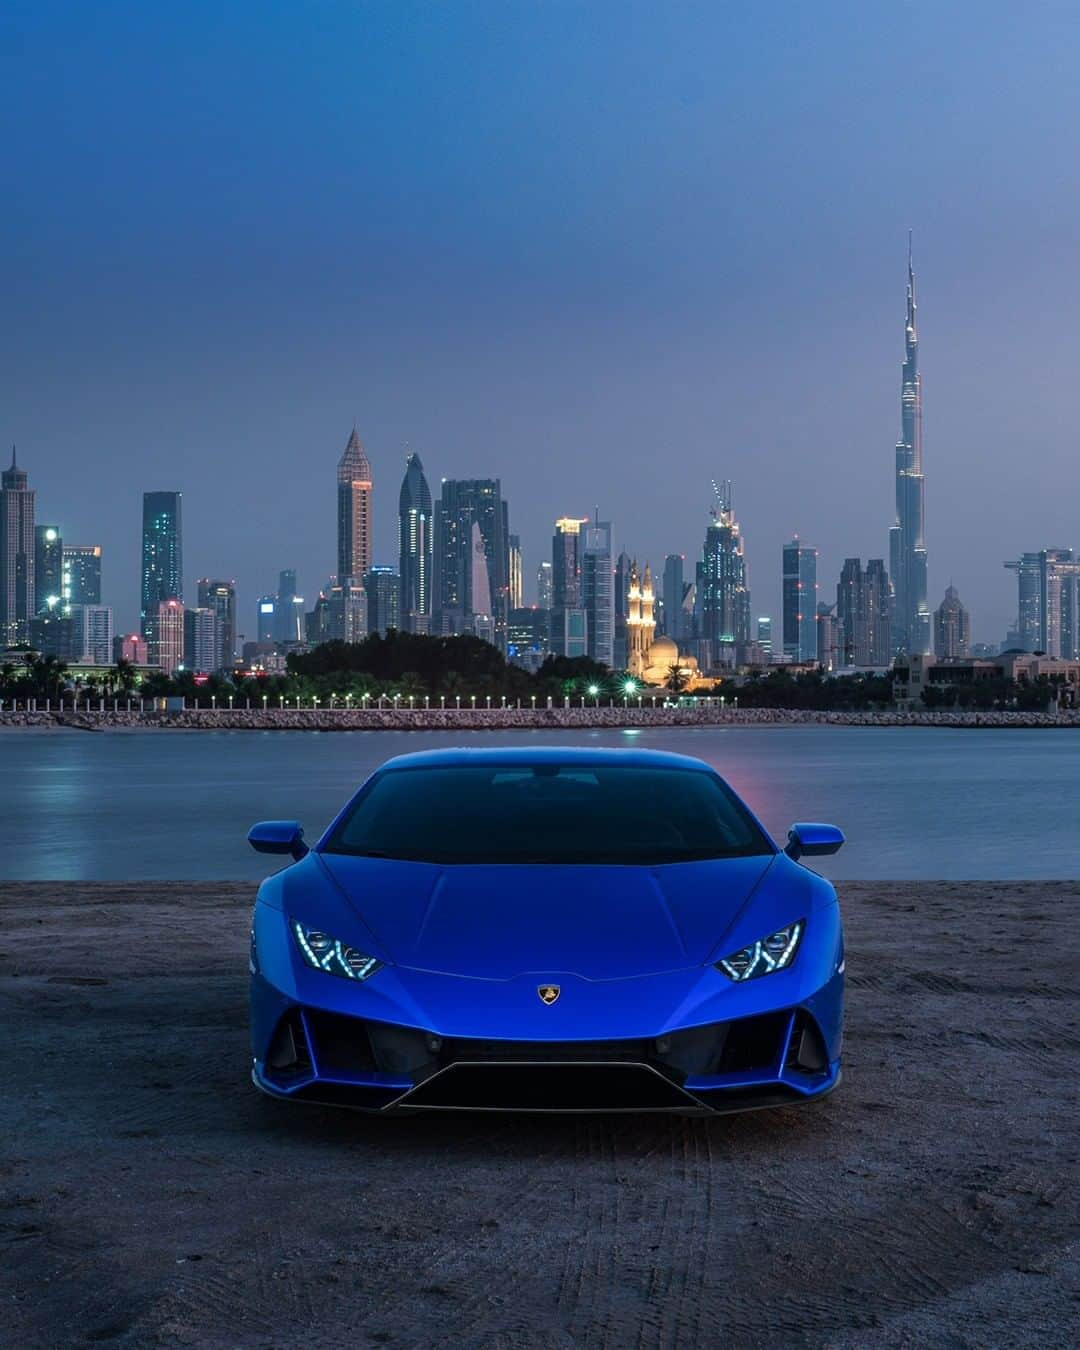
(148, 1195)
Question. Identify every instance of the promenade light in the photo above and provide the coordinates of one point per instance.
(630, 687)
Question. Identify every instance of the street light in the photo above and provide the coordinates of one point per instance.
(594, 690)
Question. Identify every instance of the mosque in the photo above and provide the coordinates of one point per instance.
(650, 658)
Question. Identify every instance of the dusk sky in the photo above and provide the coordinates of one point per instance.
(604, 251)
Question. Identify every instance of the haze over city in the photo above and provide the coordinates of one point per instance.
(606, 253)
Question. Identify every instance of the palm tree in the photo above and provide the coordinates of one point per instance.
(677, 678)
(126, 677)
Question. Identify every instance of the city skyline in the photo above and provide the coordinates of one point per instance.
(689, 265)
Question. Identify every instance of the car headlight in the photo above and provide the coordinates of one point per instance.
(326, 953)
(761, 958)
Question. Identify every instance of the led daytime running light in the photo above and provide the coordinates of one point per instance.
(755, 960)
(338, 959)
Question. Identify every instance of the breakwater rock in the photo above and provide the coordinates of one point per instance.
(515, 719)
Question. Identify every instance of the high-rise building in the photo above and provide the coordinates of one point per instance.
(220, 596)
(166, 644)
(952, 628)
(317, 621)
(863, 604)
(640, 620)
(598, 589)
(130, 647)
(907, 546)
(800, 601)
(672, 592)
(416, 543)
(17, 607)
(1048, 602)
(162, 568)
(827, 654)
(724, 592)
(382, 585)
(266, 618)
(543, 585)
(48, 567)
(354, 490)
(462, 587)
(288, 609)
(764, 635)
(569, 622)
(517, 584)
(82, 574)
(202, 639)
(346, 612)
(528, 637)
(91, 634)
(623, 565)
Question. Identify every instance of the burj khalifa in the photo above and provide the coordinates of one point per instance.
(907, 545)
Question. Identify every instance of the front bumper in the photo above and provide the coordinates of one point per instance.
(779, 1057)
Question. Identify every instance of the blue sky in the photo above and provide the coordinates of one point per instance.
(605, 251)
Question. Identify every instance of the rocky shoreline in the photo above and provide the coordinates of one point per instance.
(515, 719)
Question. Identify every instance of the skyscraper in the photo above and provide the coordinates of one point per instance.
(382, 585)
(827, 656)
(952, 627)
(82, 574)
(416, 548)
(288, 609)
(354, 489)
(863, 636)
(543, 585)
(166, 646)
(764, 635)
(724, 583)
(459, 593)
(1048, 602)
(800, 601)
(48, 567)
(907, 546)
(569, 623)
(598, 589)
(202, 639)
(16, 555)
(672, 591)
(346, 613)
(220, 597)
(162, 565)
(266, 628)
(517, 583)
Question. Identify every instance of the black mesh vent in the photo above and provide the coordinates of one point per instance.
(288, 1057)
(549, 1087)
(806, 1053)
(753, 1043)
(342, 1045)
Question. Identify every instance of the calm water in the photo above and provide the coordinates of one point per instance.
(914, 802)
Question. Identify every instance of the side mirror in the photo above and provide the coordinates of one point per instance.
(278, 836)
(808, 840)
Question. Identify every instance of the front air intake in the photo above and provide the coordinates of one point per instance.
(548, 1087)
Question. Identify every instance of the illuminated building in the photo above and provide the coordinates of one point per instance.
(16, 555)
(354, 489)
(162, 566)
(382, 587)
(800, 601)
(416, 544)
(82, 574)
(166, 645)
(48, 567)
(952, 628)
(220, 597)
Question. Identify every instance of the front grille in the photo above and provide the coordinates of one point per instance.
(288, 1057)
(806, 1051)
(341, 1044)
(634, 1052)
(549, 1087)
(753, 1043)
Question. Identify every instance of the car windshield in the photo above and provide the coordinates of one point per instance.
(547, 813)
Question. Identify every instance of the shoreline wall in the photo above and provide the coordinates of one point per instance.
(518, 719)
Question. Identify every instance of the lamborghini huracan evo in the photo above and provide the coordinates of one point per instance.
(546, 930)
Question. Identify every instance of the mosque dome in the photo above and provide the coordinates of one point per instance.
(663, 652)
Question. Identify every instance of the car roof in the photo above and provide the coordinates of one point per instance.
(546, 754)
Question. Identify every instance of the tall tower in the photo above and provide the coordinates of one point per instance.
(162, 560)
(800, 601)
(907, 546)
(354, 510)
(416, 544)
(724, 584)
(640, 622)
(16, 554)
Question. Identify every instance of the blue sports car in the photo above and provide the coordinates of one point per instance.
(546, 930)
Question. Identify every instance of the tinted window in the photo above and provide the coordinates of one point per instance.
(547, 813)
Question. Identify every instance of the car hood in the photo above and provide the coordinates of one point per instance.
(498, 922)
